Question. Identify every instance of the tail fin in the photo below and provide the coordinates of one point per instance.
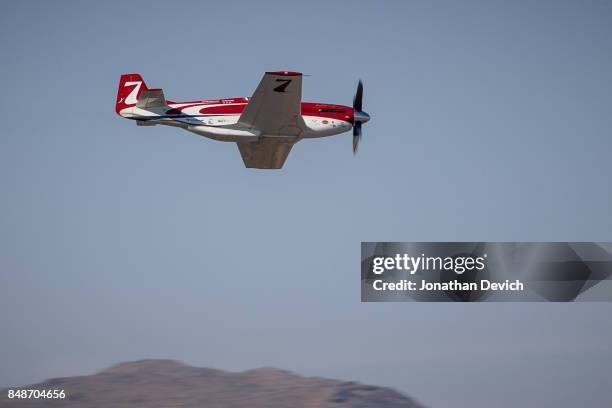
(130, 88)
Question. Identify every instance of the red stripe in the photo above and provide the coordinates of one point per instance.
(308, 109)
(223, 109)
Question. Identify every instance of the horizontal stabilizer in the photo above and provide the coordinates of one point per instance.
(145, 123)
(151, 98)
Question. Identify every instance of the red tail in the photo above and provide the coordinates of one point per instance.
(130, 87)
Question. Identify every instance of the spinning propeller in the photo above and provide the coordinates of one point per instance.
(359, 116)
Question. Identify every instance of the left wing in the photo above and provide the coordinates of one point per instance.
(275, 107)
(266, 153)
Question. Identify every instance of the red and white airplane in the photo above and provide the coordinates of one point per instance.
(265, 126)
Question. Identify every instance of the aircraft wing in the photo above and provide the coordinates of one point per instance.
(266, 153)
(275, 107)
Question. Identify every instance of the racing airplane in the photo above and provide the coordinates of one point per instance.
(265, 126)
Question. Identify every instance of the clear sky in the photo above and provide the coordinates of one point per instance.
(491, 121)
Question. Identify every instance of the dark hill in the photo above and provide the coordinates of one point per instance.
(166, 383)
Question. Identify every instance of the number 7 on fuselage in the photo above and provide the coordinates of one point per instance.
(265, 126)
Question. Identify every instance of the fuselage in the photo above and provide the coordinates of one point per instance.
(218, 119)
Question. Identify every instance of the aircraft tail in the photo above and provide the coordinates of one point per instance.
(130, 88)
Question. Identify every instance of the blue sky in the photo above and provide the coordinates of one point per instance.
(490, 122)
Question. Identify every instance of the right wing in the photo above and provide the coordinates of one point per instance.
(266, 153)
(275, 107)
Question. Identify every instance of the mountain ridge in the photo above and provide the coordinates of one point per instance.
(155, 383)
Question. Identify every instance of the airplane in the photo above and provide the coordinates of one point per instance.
(265, 126)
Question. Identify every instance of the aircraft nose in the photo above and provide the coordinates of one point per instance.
(361, 117)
